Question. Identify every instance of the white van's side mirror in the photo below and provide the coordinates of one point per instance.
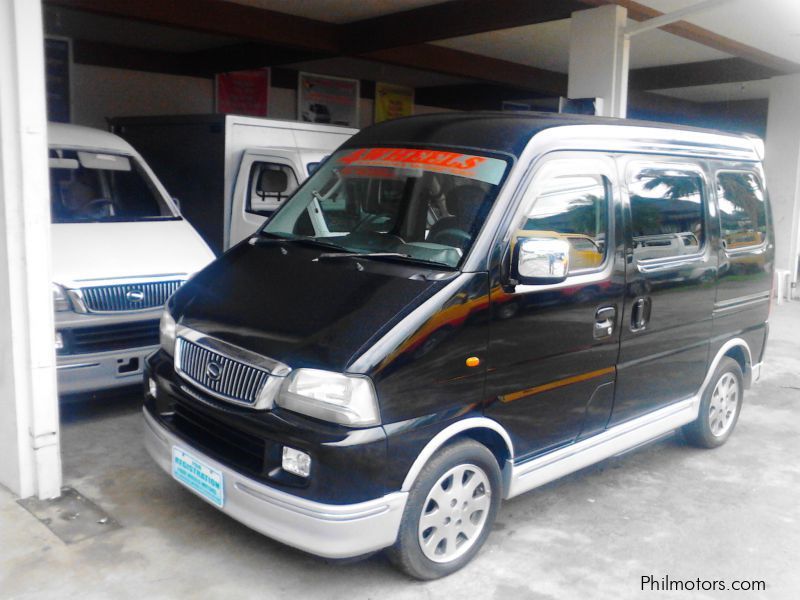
(540, 260)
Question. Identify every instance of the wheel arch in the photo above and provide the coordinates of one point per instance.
(485, 431)
(737, 349)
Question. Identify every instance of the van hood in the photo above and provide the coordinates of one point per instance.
(276, 300)
(83, 251)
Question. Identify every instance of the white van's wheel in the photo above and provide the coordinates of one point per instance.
(450, 511)
(719, 408)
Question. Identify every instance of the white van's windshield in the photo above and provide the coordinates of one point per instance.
(394, 204)
(87, 186)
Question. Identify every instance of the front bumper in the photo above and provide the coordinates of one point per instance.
(329, 530)
(102, 370)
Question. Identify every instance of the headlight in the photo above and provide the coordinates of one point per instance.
(166, 332)
(345, 399)
(60, 300)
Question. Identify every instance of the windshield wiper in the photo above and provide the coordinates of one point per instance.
(389, 255)
(362, 255)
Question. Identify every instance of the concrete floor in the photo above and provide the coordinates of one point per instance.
(666, 509)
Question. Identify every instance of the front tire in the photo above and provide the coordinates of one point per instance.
(450, 511)
(719, 408)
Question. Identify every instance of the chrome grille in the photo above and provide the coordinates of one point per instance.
(235, 381)
(128, 296)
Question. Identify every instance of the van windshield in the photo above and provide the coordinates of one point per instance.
(398, 203)
(88, 186)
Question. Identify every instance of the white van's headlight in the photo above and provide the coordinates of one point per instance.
(60, 300)
(166, 332)
(345, 399)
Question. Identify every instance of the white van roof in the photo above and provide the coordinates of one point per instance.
(63, 135)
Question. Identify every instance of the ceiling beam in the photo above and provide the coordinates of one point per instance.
(450, 19)
(688, 31)
(724, 70)
(473, 66)
(220, 18)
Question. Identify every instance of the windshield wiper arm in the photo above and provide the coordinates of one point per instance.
(361, 255)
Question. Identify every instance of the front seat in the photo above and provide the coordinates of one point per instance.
(468, 205)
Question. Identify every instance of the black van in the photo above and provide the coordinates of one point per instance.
(455, 309)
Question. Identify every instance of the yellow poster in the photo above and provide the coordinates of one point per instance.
(393, 101)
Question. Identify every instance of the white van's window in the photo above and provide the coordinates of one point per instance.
(416, 205)
(667, 208)
(270, 184)
(742, 211)
(573, 207)
(102, 186)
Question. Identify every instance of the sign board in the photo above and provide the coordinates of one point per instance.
(323, 99)
(58, 66)
(243, 92)
(393, 101)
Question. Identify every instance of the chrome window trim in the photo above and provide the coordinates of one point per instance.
(276, 371)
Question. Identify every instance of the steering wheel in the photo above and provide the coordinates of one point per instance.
(453, 233)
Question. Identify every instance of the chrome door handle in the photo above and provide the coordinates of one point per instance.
(604, 320)
(640, 313)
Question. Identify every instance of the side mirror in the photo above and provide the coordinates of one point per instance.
(177, 203)
(540, 260)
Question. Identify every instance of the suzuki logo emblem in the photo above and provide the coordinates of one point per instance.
(134, 296)
(213, 371)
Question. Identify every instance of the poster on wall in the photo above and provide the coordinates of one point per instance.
(322, 99)
(58, 63)
(243, 92)
(393, 101)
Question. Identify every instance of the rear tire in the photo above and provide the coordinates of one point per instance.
(449, 513)
(719, 408)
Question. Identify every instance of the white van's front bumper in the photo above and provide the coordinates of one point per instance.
(79, 373)
(329, 530)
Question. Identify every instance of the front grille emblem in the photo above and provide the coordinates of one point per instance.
(213, 371)
(134, 296)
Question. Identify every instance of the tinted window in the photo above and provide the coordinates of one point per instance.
(742, 213)
(91, 186)
(415, 204)
(270, 184)
(575, 208)
(666, 213)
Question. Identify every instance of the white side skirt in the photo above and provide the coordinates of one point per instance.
(611, 442)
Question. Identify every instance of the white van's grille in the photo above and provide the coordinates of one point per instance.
(129, 296)
(219, 375)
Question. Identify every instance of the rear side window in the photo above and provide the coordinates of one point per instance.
(573, 207)
(742, 211)
(667, 208)
(270, 184)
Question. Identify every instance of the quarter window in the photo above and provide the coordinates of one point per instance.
(742, 211)
(573, 207)
(270, 185)
(667, 208)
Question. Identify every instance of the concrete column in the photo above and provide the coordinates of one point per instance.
(598, 58)
(30, 460)
(782, 164)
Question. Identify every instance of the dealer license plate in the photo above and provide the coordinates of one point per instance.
(198, 476)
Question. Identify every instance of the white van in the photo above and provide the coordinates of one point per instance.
(120, 248)
(230, 172)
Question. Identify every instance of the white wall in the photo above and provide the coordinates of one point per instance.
(782, 164)
(102, 92)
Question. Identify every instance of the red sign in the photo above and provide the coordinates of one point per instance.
(243, 92)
